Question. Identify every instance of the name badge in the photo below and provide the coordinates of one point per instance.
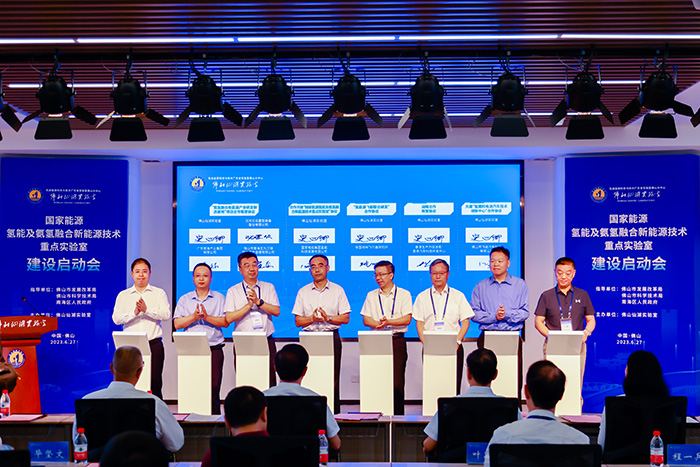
(566, 325)
(439, 326)
(256, 316)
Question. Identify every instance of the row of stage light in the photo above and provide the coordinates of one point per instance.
(426, 111)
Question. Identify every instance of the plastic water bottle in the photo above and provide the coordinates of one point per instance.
(5, 404)
(80, 450)
(322, 448)
(656, 449)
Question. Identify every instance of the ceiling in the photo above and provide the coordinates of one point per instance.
(237, 40)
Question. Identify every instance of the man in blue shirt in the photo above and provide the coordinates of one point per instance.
(202, 310)
(500, 302)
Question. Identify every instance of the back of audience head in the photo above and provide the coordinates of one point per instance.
(291, 362)
(127, 362)
(643, 375)
(545, 384)
(482, 365)
(244, 406)
(134, 449)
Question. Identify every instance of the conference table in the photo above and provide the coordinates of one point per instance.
(369, 442)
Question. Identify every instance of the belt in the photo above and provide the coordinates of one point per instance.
(397, 335)
(214, 347)
(153, 341)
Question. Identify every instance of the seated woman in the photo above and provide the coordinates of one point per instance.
(643, 377)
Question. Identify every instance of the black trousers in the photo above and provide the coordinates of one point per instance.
(480, 345)
(272, 349)
(460, 367)
(337, 356)
(400, 358)
(157, 361)
(217, 370)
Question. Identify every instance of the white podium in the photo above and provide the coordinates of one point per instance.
(376, 372)
(564, 350)
(505, 345)
(193, 372)
(319, 376)
(140, 341)
(439, 368)
(252, 359)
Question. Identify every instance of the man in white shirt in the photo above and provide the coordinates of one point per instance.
(126, 366)
(323, 306)
(252, 303)
(202, 310)
(388, 308)
(442, 308)
(544, 388)
(142, 308)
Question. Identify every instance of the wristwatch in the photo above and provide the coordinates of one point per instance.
(262, 302)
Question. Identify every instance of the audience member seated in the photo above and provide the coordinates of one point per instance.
(643, 377)
(134, 449)
(481, 371)
(245, 414)
(126, 367)
(645, 406)
(544, 388)
(291, 366)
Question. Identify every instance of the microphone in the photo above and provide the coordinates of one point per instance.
(24, 299)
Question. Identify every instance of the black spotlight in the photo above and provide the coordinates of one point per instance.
(57, 100)
(130, 102)
(657, 94)
(427, 109)
(8, 113)
(275, 98)
(582, 96)
(206, 98)
(507, 102)
(350, 106)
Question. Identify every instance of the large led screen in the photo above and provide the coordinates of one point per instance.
(356, 213)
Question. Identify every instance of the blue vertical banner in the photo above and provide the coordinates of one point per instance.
(632, 228)
(63, 237)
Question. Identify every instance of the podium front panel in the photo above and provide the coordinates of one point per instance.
(319, 376)
(564, 350)
(252, 359)
(439, 368)
(140, 341)
(505, 345)
(193, 372)
(376, 372)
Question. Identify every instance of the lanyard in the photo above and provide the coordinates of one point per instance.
(433, 303)
(245, 293)
(379, 296)
(542, 417)
(571, 303)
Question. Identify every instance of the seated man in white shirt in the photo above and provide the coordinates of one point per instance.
(126, 366)
(481, 371)
(544, 388)
(142, 308)
(291, 366)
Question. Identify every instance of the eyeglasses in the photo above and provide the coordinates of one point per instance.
(315, 267)
(247, 267)
(439, 273)
(381, 274)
